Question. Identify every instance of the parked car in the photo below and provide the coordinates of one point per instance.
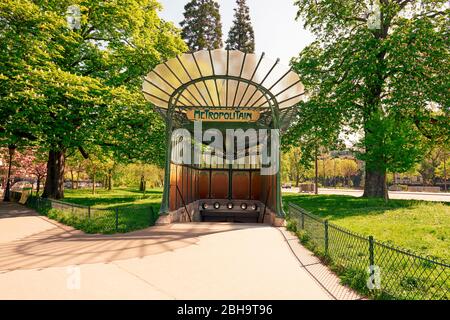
(286, 185)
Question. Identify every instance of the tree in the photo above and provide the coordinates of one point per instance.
(292, 167)
(442, 170)
(201, 27)
(31, 162)
(74, 166)
(348, 169)
(99, 165)
(241, 35)
(137, 174)
(75, 84)
(428, 167)
(379, 69)
(26, 163)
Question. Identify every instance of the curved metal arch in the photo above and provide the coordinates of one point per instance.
(265, 92)
(269, 96)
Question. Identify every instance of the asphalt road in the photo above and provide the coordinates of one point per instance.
(428, 196)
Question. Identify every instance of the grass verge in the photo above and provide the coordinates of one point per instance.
(106, 212)
(421, 226)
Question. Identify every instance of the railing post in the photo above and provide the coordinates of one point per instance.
(325, 223)
(303, 220)
(117, 219)
(371, 251)
(150, 222)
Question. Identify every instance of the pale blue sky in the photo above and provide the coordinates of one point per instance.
(277, 33)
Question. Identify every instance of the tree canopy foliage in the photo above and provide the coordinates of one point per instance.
(241, 35)
(77, 86)
(202, 27)
(379, 70)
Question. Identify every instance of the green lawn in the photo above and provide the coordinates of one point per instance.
(423, 227)
(135, 210)
(420, 226)
(120, 197)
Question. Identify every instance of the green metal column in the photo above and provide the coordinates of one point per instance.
(276, 125)
(279, 208)
(166, 191)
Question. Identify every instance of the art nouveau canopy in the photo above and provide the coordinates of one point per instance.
(222, 79)
(225, 89)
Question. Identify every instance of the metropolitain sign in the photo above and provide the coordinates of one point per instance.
(222, 115)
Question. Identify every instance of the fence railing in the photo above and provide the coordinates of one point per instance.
(96, 220)
(379, 268)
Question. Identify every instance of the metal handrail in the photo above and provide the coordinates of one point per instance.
(265, 204)
(184, 203)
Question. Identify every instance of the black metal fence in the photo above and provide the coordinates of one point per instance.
(375, 267)
(96, 220)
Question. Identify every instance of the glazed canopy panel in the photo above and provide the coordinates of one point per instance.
(222, 78)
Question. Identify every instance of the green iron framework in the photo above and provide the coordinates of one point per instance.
(222, 79)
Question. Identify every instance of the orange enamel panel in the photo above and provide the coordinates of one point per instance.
(241, 185)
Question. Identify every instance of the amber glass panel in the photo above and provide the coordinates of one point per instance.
(203, 184)
(176, 72)
(256, 185)
(172, 190)
(219, 185)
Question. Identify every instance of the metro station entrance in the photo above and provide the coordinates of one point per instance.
(224, 111)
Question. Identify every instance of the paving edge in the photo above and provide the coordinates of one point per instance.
(327, 279)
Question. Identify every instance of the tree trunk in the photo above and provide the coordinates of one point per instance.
(445, 170)
(38, 186)
(7, 195)
(93, 182)
(375, 184)
(78, 179)
(142, 184)
(316, 177)
(71, 179)
(323, 168)
(54, 184)
(110, 179)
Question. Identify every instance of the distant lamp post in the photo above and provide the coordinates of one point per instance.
(11, 150)
(374, 17)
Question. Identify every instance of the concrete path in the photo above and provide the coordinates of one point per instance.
(42, 259)
(427, 196)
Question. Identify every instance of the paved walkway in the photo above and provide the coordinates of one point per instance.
(42, 259)
(427, 196)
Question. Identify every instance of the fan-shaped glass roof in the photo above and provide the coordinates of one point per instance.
(222, 79)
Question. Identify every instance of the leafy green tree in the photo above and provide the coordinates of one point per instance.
(136, 174)
(201, 27)
(24, 48)
(429, 166)
(292, 167)
(379, 69)
(77, 86)
(241, 35)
